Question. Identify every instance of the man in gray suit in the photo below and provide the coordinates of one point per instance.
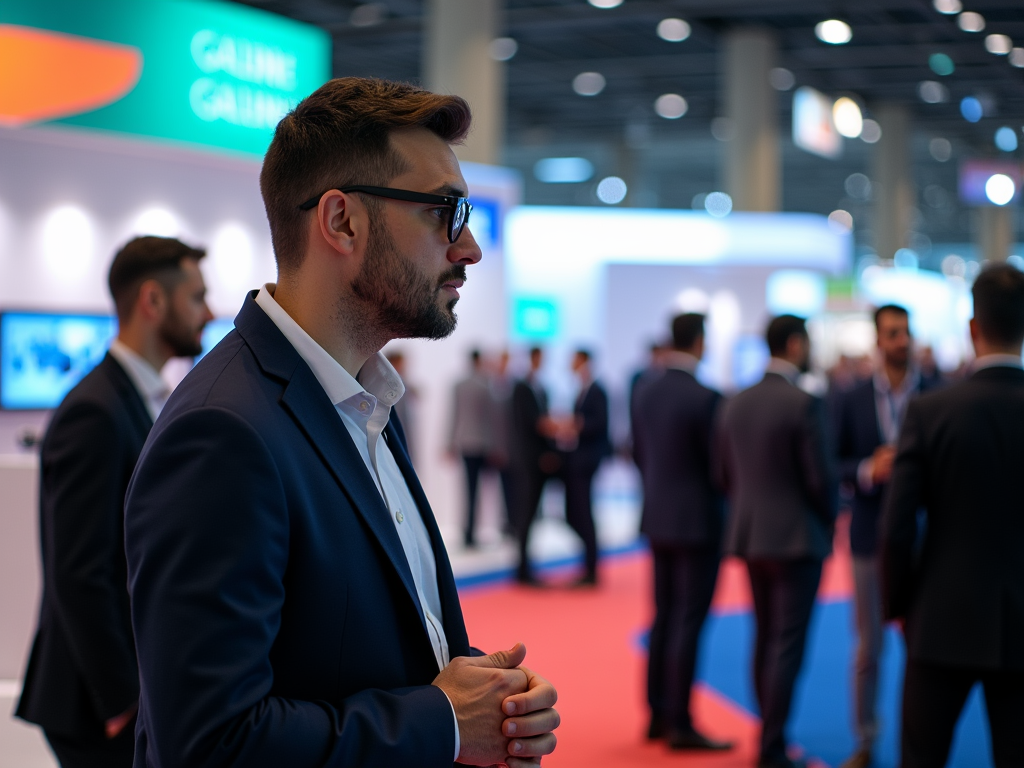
(472, 433)
(771, 461)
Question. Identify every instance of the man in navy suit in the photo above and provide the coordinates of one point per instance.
(292, 600)
(868, 421)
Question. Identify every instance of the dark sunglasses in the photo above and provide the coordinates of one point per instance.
(459, 207)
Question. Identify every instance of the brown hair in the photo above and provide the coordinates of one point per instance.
(147, 258)
(340, 135)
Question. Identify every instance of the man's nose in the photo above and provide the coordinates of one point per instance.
(465, 250)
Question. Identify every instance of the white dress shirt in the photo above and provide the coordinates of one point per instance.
(682, 361)
(890, 407)
(783, 368)
(147, 380)
(997, 361)
(364, 406)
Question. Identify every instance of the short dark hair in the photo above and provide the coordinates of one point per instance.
(686, 329)
(147, 258)
(585, 354)
(474, 356)
(536, 351)
(781, 329)
(339, 135)
(999, 304)
(895, 308)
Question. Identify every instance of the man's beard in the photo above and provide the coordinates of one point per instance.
(404, 299)
(181, 339)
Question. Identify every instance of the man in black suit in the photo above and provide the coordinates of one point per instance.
(868, 419)
(673, 419)
(292, 600)
(771, 460)
(589, 435)
(82, 682)
(956, 582)
(533, 457)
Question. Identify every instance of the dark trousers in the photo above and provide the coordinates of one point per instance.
(507, 486)
(528, 488)
(783, 592)
(684, 583)
(579, 513)
(94, 751)
(474, 466)
(933, 697)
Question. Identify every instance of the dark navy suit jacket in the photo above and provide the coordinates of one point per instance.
(274, 609)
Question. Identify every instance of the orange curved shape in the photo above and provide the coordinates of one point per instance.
(47, 75)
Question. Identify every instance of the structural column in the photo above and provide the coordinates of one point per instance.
(994, 232)
(753, 167)
(892, 186)
(457, 60)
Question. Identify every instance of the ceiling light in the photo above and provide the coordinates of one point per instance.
(1000, 45)
(1017, 57)
(941, 64)
(502, 48)
(833, 32)
(947, 6)
(611, 190)
(858, 186)
(718, 204)
(940, 149)
(847, 117)
(932, 92)
(671, 106)
(605, 3)
(157, 221)
(970, 21)
(563, 170)
(68, 242)
(781, 79)
(673, 30)
(588, 83)
(971, 109)
(1006, 139)
(871, 133)
(840, 220)
(1000, 189)
(723, 128)
(368, 14)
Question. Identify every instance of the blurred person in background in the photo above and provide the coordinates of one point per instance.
(472, 434)
(955, 579)
(82, 681)
(868, 420)
(501, 384)
(407, 408)
(771, 459)
(673, 426)
(588, 434)
(653, 368)
(534, 459)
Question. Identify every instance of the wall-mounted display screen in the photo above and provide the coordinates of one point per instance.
(813, 128)
(214, 331)
(42, 356)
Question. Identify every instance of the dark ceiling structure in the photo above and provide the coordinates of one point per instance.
(669, 161)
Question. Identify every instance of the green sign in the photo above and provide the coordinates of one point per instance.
(195, 71)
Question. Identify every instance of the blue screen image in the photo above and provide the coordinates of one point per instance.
(42, 356)
(214, 331)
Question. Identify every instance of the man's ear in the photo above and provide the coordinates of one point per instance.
(343, 221)
(151, 303)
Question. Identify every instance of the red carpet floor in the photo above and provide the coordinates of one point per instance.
(587, 644)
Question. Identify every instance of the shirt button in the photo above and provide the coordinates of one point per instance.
(399, 516)
(363, 405)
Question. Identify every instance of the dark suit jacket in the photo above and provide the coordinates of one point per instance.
(857, 436)
(673, 421)
(771, 461)
(528, 445)
(961, 454)
(275, 613)
(82, 670)
(593, 444)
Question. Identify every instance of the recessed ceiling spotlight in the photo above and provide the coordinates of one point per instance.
(970, 21)
(588, 83)
(368, 15)
(605, 3)
(1006, 139)
(1000, 189)
(781, 79)
(673, 30)
(1000, 45)
(871, 133)
(611, 190)
(847, 117)
(932, 92)
(971, 109)
(671, 106)
(941, 64)
(941, 149)
(948, 6)
(502, 48)
(833, 32)
(1017, 57)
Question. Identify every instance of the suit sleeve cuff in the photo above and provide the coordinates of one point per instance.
(864, 481)
(455, 719)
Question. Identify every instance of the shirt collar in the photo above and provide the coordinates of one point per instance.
(909, 383)
(377, 376)
(145, 377)
(783, 368)
(681, 361)
(996, 361)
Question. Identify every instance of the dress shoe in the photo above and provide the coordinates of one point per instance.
(657, 729)
(860, 759)
(697, 741)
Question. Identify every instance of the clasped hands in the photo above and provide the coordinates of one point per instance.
(505, 712)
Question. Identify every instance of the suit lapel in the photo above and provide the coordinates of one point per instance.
(454, 624)
(130, 396)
